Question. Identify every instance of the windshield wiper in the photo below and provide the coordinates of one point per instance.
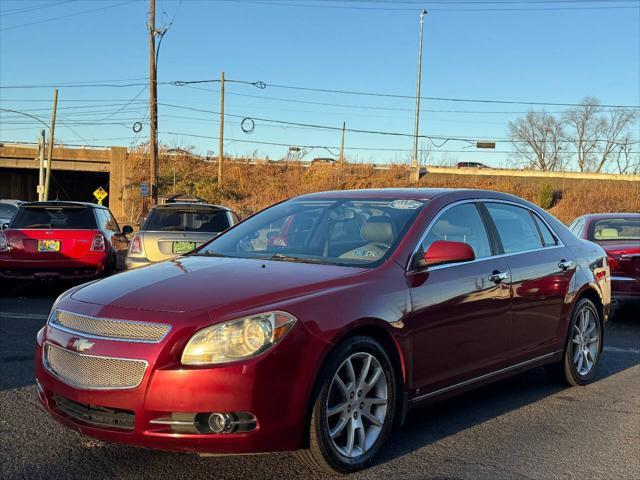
(289, 258)
(208, 254)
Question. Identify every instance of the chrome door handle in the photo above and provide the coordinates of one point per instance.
(497, 277)
(566, 264)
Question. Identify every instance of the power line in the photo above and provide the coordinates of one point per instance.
(263, 85)
(443, 99)
(12, 27)
(16, 11)
(445, 9)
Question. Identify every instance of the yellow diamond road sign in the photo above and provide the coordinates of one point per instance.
(100, 194)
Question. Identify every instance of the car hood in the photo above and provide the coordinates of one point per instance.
(189, 284)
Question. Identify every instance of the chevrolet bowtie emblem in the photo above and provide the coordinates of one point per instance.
(82, 345)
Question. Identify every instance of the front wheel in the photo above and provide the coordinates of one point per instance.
(354, 408)
(583, 348)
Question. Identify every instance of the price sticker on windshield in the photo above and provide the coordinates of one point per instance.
(405, 204)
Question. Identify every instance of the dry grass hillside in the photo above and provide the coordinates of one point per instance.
(249, 188)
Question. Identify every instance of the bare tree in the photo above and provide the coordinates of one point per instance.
(537, 140)
(601, 137)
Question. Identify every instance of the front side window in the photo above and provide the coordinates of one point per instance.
(516, 227)
(188, 219)
(55, 217)
(614, 229)
(336, 231)
(461, 223)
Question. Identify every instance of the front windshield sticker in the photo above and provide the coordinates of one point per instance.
(406, 204)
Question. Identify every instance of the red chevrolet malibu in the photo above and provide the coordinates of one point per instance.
(61, 241)
(619, 235)
(378, 300)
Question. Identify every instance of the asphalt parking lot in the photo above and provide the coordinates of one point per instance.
(521, 428)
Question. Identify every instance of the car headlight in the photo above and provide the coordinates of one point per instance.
(237, 339)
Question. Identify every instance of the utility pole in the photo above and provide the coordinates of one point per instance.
(415, 168)
(344, 124)
(153, 106)
(41, 150)
(221, 147)
(51, 137)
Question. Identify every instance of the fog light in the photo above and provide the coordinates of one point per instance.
(219, 423)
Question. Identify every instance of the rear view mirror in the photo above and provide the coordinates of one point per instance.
(442, 252)
(127, 230)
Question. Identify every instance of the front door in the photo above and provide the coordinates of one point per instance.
(460, 311)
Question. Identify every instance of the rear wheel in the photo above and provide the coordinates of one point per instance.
(353, 409)
(583, 347)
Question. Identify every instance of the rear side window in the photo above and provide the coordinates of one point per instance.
(576, 226)
(548, 237)
(63, 218)
(187, 220)
(461, 223)
(516, 227)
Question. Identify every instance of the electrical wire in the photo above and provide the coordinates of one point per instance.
(75, 14)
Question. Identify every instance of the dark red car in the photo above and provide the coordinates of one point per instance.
(62, 241)
(380, 301)
(619, 235)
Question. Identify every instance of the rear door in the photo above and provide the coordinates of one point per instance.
(541, 270)
(460, 311)
(51, 232)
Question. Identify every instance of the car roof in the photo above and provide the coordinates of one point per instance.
(13, 202)
(194, 205)
(413, 194)
(60, 203)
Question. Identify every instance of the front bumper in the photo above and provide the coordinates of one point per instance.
(274, 387)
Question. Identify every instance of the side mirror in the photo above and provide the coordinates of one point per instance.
(4, 226)
(441, 252)
(127, 230)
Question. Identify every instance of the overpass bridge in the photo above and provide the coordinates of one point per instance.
(76, 173)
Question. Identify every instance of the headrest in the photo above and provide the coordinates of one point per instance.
(377, 230)
(444, 228)
(607, 233)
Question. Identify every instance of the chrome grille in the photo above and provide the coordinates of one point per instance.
(110, 328)
(91, 371)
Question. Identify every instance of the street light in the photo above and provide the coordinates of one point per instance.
(415, 174)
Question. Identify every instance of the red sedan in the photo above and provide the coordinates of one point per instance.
(379, 300)
(619, 235)
(61, 241)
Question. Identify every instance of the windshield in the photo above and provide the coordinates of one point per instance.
(334, 231)
(64, 218)
(613, 229)
(187, 220)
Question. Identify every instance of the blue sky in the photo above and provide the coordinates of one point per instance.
(535, 52)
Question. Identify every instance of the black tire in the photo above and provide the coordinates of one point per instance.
(565, 371)
(322, 454)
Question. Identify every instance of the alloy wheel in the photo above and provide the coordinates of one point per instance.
(357, 405)
(586, 341)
